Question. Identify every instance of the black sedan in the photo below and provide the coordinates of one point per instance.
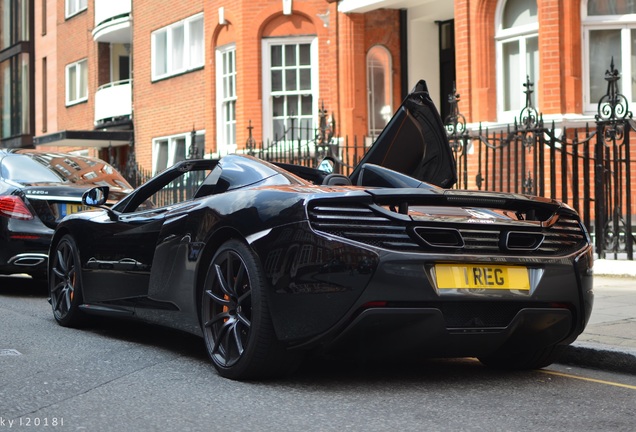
(268, 263)
(37, 189)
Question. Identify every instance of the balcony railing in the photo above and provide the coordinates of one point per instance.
(113, 101)
(113, 21)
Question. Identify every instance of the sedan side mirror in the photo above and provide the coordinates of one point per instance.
(96, 196)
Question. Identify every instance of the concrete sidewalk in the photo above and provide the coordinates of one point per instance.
(609, 341)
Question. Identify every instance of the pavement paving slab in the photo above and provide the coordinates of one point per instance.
(609, 340)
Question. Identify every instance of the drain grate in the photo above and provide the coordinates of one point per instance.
(9, 352)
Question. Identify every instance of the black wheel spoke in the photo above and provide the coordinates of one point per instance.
(215, 319)
(221, 335)
(242, 318)
(57, 287)
(58, 299)
(237, 339)
(226, 343)
(67, 299)
(58, 273)
(217, 299)
(245, 296)
(222, 280)
(238, 281)
(229, 271)
(61, 259)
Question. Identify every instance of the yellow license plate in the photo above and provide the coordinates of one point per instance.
(470, 276)
(67, 209)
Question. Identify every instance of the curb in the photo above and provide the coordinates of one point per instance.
(598, 356)
(616, 268)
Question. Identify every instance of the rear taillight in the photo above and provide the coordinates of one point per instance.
(13, 207)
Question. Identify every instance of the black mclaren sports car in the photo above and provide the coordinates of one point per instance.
(268, 262)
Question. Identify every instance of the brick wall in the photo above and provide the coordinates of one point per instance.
(559, 88)
(170, 106)
(74, 43)
(45, 107)
(343, 41)
(177, 104)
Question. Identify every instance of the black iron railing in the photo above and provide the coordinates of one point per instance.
(589, 168)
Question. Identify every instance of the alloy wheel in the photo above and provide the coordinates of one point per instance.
(63, 282)
(228, 309)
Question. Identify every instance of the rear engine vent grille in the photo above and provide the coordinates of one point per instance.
(564, 236)
(361, 223)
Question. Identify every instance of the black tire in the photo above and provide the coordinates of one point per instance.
(65, 283)
(523, 360)
(237, 328)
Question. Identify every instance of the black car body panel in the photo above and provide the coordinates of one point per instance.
(45, 186)
(377, 266)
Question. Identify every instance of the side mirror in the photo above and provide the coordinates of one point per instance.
(327, 165)
(96, 196)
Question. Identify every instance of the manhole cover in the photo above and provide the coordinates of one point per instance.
(9, 352)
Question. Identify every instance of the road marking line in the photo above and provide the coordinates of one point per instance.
(549, 372)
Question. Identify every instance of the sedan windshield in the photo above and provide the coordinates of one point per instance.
(23, 169)
(60, 168)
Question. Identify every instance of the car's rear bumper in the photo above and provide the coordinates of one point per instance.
(390, 332)
(393, 297)
(24, 247)
(32, 263)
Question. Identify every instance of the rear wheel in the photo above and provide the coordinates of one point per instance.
(520, 360)
(65, 283)
(237, 328)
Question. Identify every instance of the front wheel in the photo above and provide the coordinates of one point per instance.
(65, 283)
(237, 327)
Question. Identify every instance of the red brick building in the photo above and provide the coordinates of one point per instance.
(563, 46)
(109, 74)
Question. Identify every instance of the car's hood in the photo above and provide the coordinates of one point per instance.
(414, 143)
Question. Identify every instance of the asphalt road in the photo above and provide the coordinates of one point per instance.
(117, 375)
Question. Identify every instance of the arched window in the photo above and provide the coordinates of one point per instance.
(609, 32)
(517, 36)
(379, 85)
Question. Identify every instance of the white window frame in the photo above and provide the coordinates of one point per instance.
(171, 142)
(625, 23)
(372, 129)
(191, 59)
(225, 96)
(268, 129)
(518, 34)
(73, 7)
(78, 66)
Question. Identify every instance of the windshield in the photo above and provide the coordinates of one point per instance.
(60, 168)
